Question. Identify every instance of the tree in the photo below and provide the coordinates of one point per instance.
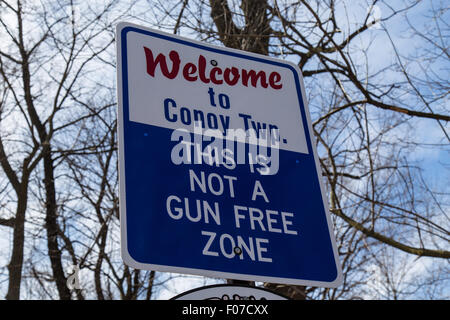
(48, 52)
(363, 113)
(376, 117)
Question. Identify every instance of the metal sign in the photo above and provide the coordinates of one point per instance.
(219, 175)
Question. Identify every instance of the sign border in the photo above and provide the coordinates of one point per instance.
(122, 28)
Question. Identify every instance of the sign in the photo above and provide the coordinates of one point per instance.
(229, 292)
(218, 171)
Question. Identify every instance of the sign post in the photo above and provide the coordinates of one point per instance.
(219, 175)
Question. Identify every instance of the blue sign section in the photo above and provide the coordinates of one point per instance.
(217, 219)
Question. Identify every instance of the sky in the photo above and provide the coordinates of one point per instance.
(436, 162)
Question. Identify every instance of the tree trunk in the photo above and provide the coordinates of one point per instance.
(51, 225)
(16, 262)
